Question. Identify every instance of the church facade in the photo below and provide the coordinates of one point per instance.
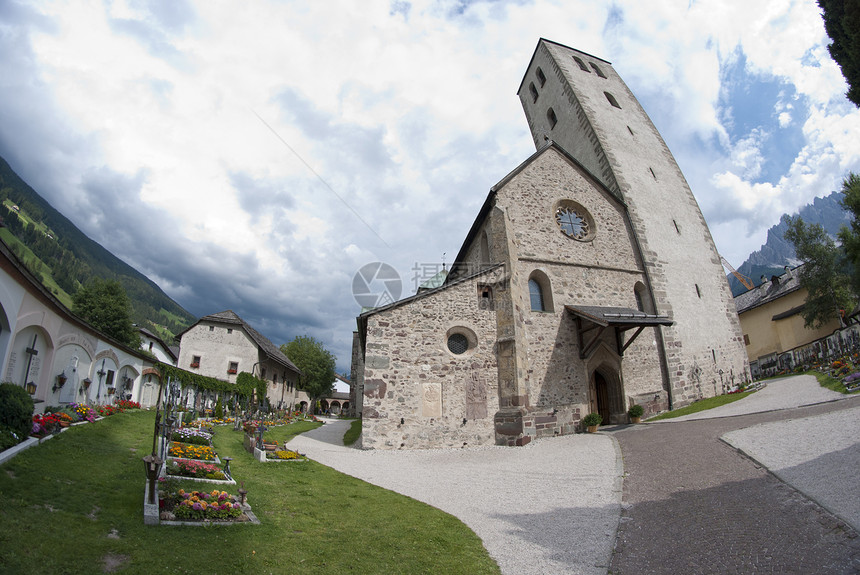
(588, 282)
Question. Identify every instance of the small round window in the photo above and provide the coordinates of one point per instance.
(458, 343)
(574, 221)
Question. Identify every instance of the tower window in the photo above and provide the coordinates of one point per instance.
(582, 65)
(485, 298)
(211, 328)
(698, 291)
(598, 70)
(612, 99)
(677, 229)
(631, 131)
(541, 78)
(550, 117)
(533, 91)
(653, 175)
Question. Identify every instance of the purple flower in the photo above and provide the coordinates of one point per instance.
(237, 506)
(197, 506)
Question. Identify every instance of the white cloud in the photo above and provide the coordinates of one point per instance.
(273, 148)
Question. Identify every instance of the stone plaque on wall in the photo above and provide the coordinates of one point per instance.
(431, 400)
(476, 397)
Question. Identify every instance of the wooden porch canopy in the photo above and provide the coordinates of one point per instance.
(592, 321)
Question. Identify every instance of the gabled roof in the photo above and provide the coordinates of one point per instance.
(170, 351)
(229, 317)
(488, 203)
(777, 287)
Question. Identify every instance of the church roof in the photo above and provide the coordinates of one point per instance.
(271, 350)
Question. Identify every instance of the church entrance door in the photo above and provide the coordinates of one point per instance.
(601, 392)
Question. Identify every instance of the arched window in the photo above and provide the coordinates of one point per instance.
(540, 291)
(612, 100)
(541, 77)
(536, 295)
(533, 91)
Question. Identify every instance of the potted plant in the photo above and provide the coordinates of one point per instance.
(591, 421)
(635, 413)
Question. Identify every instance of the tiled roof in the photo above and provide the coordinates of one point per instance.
(270, 349)
(772, 290)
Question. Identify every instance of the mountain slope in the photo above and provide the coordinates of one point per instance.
(65, 258)
(777, 252)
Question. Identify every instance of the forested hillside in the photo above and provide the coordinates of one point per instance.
(55, 250)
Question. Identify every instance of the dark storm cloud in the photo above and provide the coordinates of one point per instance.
(260, 195)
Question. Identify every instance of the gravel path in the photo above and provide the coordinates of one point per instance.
(554, 505)
(782, 393)
(549, 507)
(819, 456)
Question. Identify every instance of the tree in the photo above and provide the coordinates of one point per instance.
(105, 305)
(316, 364)
(842, 22)
(827, 285)
(850, 237)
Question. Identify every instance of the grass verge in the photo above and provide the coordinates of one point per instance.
(830, 382)
(75, 505)
(702, 405)
(352, 434)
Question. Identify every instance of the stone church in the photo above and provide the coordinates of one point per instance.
(588, 282)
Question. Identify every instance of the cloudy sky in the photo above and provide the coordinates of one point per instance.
(255, 155)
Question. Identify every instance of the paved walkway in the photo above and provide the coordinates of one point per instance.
(691, 502)
(549, 507)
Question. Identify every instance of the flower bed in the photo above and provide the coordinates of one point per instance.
(285, 455)
(191, 451)
(192, 435)
(195, 469)
(199, 505)
(83, 412)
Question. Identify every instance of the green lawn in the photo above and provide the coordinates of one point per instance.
(75, 504)
(702, 405)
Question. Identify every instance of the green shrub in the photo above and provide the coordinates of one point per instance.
(592, 419)
(635, 411)
(16, 410)
(219, 409)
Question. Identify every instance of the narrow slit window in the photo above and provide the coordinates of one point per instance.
(550, 117)
(698, 291)
(582, 65)
(541, 78)
(653, 175)
(597, 70)
(612, 100)
(536, 296)
(677, 229)
(533, 91)
(631, 131)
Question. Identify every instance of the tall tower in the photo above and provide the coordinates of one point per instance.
(582, 104)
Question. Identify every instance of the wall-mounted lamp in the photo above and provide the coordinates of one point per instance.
(87, 382)
(61, 381)
(31, 387)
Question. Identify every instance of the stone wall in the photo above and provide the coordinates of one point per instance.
(417, 393)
